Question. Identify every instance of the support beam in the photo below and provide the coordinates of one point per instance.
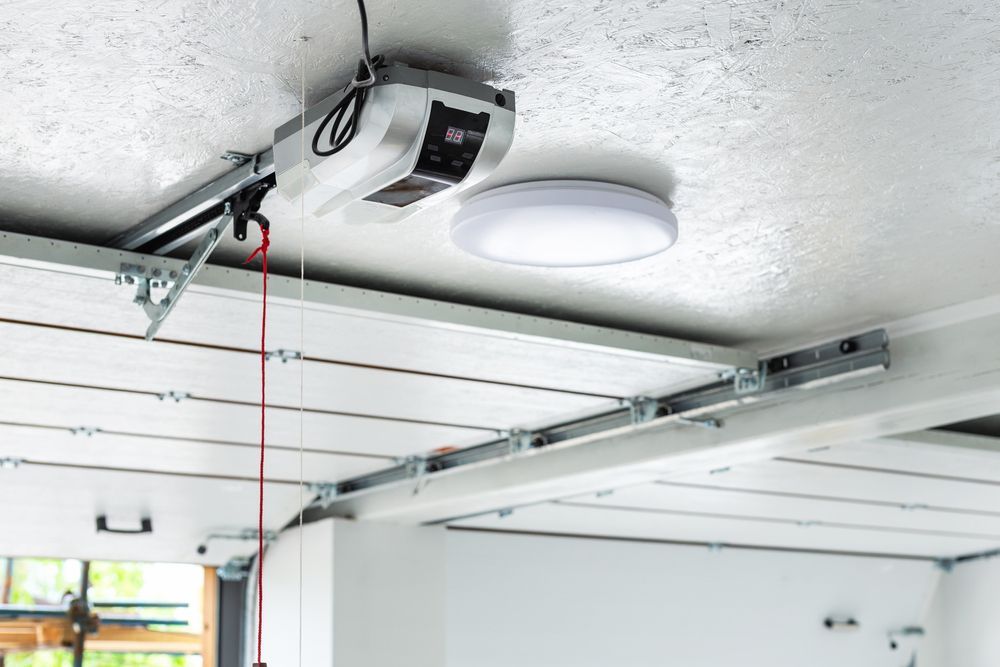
(185, 219)
(210, 619)
(84, 259)
(120, 639)
(941, 375)
(48, 634)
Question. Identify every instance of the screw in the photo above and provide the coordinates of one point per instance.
(173, 274)
(186, 269)
(129, 280)
(385, 77)
(157, 272)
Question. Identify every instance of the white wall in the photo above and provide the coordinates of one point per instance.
(372, 594)
(281, 599)
(426, 598)
(963, 627)
(526, 601)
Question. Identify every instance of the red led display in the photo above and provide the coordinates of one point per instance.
(454, 135)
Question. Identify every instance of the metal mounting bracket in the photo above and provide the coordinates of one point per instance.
(520, 441)
(235, 569)
(641, 409)
(175, 396)
(283, 355)
(325, 493)
(146, 281)
(132, 274)
(239, 159)
(750, 380)
(237, 211)
(10, 462)
(415, 465)
(416, 469)
(246, 534)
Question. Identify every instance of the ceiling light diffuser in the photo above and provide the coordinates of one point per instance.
(563, 224)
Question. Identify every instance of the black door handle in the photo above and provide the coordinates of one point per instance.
(102, 527)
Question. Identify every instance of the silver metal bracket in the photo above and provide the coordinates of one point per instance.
(641, 409)
(246, 535)
(520, 441)
(239, 159)
(325, 492)
(415, 465)
(750, 380)
(85, 430)
(416, 469)
(283, 355)
(10, 462)
(235, 569)
(137, 275)
(175, 396)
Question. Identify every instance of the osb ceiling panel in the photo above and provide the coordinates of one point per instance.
(833, 164)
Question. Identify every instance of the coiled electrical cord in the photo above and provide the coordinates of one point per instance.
(354, 98)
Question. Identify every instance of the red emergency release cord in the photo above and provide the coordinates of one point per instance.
(262, 251)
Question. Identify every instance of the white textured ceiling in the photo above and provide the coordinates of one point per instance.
(833, 164)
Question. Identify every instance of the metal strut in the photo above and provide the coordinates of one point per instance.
(238, 210)
(821, 364)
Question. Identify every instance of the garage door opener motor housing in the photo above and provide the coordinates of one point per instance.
(421, 137)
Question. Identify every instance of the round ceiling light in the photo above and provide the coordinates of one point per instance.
(564, 223)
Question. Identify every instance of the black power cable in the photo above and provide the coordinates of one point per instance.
(354, 98)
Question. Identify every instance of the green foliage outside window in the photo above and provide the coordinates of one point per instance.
(47, 581)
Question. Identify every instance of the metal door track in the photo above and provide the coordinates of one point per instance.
(819, 365)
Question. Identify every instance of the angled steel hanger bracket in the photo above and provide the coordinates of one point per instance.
(238, 210)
